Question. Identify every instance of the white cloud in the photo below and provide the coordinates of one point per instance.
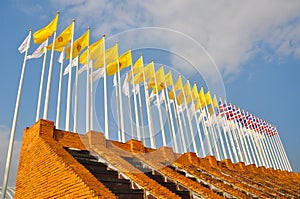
(232, 32)
(4, 139)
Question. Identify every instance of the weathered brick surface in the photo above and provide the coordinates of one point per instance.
(46, 170)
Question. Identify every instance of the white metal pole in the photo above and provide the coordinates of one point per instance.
(49, 79)
(106, 128)
(121, 104)
(76, 98)
(142, 119)
(38, 110)
(159, 112)
(288, 165)
(88, 93)
(14, 124)
(59, 90)
(117, 106)
(68, 108)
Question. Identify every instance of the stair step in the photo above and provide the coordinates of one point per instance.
(105, 174)
(77, 151)
(114, 184)
(129, 194)
(183, 194)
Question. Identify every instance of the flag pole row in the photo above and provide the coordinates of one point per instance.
(195, 121)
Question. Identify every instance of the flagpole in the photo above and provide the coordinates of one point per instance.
(38, 110)
(137, 123)
(177, 125)
(279, 153)
(159, 111)
(59, 90)
(149, 115)
(275, 152)
(190, 120)
(117, 104)
(288, 165)
(68, 109)
(105, 93)
(129, 106)
(76, 98)
(244, 144)
(46, 106)
(14, 123)
(88, 100)
(171, 119)
(142, 118)
(219, 130)
(183, 143)
(272, 158)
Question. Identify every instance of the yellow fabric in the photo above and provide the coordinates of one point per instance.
(42, 34)
(159, 74)
(198, 104)
(187, 88)
(178, 84)
(215, 102)
(63, 39)
(208, 98)
(137, 67)
(202, 98)
(195, 92)
(124, 61)
(210, 110)
(171, 94)
(79, 45)
(148, 71)
(168, 79)
(96, 50)
(111, 54)
(180, 98)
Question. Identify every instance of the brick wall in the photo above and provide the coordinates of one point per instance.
(47, 170)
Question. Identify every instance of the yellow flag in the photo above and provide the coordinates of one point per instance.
(180, 98)
(159, 74)
(202, 98)
(208, 98)
(195, 92)
(42, 34)
(124, 61)
(96, 49)
(210, 110)
(149, 70)
(172, 95)
(79, 45)
(215, 102)
(186, 88)
(138, 66)
(111, 54)
(168, 79)
(178, 84)
(63, 39)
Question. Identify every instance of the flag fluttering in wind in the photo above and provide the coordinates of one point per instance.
(74, 63)
(99, 73)
(96, 50)
(44, 33)
(111, 54)
(25, 44)
(124, 61)
(84, 67)
(38, 52)
(79, 45)
(63, 39)
(125, 87)
(61, 57)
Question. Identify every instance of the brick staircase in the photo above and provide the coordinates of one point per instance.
(120, 187)
(159, 178)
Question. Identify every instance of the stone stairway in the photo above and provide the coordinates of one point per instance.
(120, 187)
(161, 179)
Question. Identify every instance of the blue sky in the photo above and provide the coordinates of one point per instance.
(248, 53)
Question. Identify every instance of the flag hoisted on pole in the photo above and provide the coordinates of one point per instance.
(41, 85)
(23, 48)
(68, 109)
(46, 106)
(61, 61)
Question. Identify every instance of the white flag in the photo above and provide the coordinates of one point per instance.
(160, 99)
(181, 108)
(97, 74)
(192, 111)
(151, 97)
(136, 89)
(125, 87)
(25, 45)
(61, 57)
(84, 67)
(115, 81)
(74, 63)
(39, 51)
